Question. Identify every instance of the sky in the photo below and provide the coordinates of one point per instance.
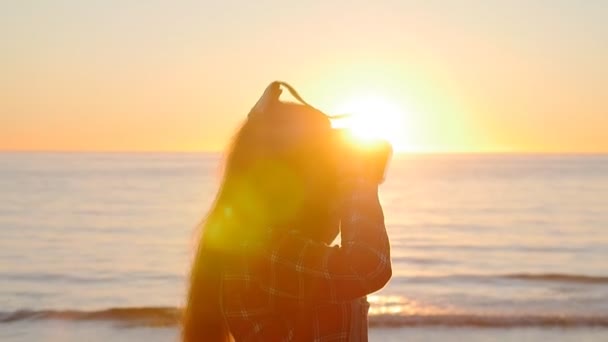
(466, 76)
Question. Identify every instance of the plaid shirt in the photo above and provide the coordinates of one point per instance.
(301, 290)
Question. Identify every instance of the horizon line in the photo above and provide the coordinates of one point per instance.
(438, 152)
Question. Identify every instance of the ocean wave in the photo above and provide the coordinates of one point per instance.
(89, 278)
(136, 316)
(559, 277)
(170, 316)
(490, 321)
(480, 278)
(425, 246)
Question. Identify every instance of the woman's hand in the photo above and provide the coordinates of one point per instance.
(362, 160)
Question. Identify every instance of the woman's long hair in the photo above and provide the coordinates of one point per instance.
(263, 184)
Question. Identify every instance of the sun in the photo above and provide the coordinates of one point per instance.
(374, 117)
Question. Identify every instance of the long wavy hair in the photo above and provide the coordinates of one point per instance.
(266, 182)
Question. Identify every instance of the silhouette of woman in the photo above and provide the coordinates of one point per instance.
(264, 269)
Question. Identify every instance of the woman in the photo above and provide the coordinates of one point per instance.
(264, 270)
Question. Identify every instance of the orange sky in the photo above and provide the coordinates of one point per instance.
(473, 76)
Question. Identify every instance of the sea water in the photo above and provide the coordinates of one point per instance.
(96, 246)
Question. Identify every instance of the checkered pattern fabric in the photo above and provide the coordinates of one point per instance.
(297, 289)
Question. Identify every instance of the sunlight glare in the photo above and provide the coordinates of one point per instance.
(372, 118)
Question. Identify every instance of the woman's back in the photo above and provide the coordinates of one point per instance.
(295, 286)
(264, 270)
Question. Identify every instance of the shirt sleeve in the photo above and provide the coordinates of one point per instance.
(305, 270)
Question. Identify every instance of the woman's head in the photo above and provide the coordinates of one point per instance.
(279, 173)
(281, 166)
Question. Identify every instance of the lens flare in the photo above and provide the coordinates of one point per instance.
(267, 193)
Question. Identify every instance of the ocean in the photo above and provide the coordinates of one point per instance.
(96, 246)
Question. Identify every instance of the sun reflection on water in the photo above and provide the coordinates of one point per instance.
(399, 305)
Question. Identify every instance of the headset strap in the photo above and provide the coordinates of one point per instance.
(272, 93)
